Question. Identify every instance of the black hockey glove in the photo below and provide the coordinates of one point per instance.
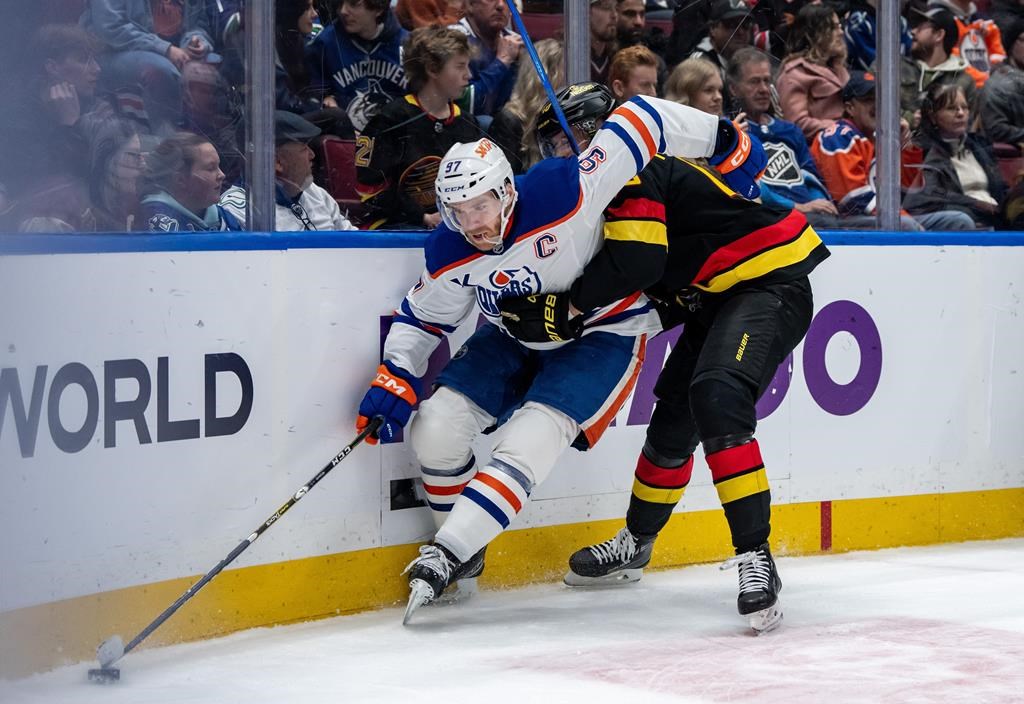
(540, 318)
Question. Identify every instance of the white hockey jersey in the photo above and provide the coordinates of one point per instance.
(555, 231)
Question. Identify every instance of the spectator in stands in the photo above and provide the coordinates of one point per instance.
(812, 77)
(979, 42)
(182, 186)
(496, 52)
(860, 30)
(845, 155)
(935, 34)
(355, 62)
(46, 134)
(1002, 98)
(398, 153)
(293, 27)
(413, 14)
(631, 31)
(206, 110)
(513, 127)
(697, 83)
(300, 203)
(632, 20)
(960, 172)
(730, 27)
(150, 49)
(791, 178)
(50, 118)
(603, 32)
(634, 72)
(116, 168)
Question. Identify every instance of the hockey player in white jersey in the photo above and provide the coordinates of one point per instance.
(503, 236)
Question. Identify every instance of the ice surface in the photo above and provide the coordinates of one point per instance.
(935, 624)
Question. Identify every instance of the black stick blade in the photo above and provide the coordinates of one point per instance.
(105, 675)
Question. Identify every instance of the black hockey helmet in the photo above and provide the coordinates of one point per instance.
(584, 104)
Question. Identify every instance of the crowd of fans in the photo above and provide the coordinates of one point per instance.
(131, 119)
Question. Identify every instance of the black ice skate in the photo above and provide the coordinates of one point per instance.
(759, 588)
(463, 586)
(619, 560)
(433, 571)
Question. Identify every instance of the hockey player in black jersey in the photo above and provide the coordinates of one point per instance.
(735, 272)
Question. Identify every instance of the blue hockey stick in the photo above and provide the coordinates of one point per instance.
(542, 74)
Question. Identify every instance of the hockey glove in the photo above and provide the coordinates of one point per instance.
(740, 159)
(392, 395)
(540, 318)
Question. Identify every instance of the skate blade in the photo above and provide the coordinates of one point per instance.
(765, 620)
(609, 580)
(420, 593)
(464, 590)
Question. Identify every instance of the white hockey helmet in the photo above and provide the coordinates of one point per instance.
(472, 169)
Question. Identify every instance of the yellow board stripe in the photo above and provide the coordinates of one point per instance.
(49, 635)
(646, 231)
(742, 486)
(656, 495)
(777, 258)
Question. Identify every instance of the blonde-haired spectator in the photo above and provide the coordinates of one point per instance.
(634, 72)
(812, 77)
(514, 124)
(698, 83)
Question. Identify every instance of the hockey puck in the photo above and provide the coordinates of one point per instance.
(105, 675)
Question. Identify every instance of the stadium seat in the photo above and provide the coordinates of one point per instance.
(1011, 162)
(338, 172)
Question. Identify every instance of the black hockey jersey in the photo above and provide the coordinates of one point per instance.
(677, 226)
(397, 158)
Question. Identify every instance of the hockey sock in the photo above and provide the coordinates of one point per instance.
(742, 484)
(656, 491)
(486, 507)
(443, 486)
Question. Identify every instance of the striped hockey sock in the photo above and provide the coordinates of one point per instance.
(656, 491)
(443, 486)
(742, 484)
(486, 507)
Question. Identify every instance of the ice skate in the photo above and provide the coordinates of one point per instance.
(463, 587)
(432, 572)
(760, 585)
(619, 560)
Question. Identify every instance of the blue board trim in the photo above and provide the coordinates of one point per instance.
(11, 244)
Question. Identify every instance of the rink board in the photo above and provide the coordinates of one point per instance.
(234, 375)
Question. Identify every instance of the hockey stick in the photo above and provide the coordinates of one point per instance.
(542, 75)
(113, 649)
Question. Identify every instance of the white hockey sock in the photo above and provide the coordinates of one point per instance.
(486, 507)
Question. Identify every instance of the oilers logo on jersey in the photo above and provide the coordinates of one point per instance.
(520, 281)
